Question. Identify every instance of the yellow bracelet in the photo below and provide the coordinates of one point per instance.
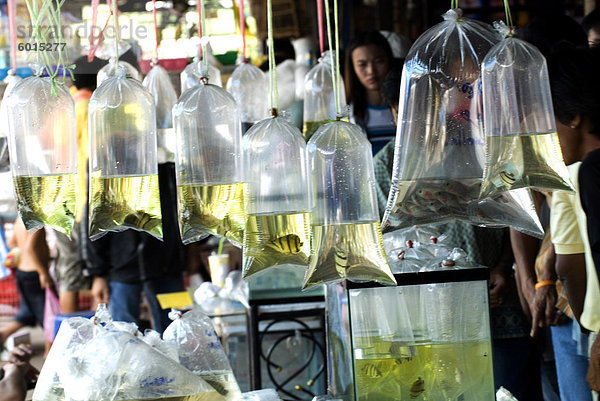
(540, 284)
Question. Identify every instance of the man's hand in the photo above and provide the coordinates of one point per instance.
(498, 288)
(13, 386)
(593, 373)
(543, 309)
(45, 280)
(100, 291)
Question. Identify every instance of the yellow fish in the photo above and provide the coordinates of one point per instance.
(290, 243)
(341, 258)
(507, 178)
(370, 370)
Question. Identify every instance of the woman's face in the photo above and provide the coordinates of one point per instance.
(371, 65)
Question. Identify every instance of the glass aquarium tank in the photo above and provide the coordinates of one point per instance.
(428, 338)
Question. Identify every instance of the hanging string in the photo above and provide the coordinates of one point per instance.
(320, 24)
(334, 57)
(12, 22)
(338, 106)
(116, 27)
(200, 26)
(94, 47)
(243, 29)
(155, 27)
(272, 66)
(509, 21)
(453, 4)
(203, 38)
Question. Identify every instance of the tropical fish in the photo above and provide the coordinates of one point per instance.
(290, 243)
(417, 388)
(370, 370)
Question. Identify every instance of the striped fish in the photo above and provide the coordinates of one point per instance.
(290, 243)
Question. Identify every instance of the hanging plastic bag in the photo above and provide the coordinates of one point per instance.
(200, 351)
(92, 360)
(286, 83)
(192, 75)
(522, 148)
(209, 170)
(277, 198)
(11, 80)
(159, 85)
(347, 242)
(43, 152)
(319, 102)
(110, 70)
(440, 143)
(123, 165)
(247, 85)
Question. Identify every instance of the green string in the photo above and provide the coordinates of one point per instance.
(116, 27)
(272, 66)
(338, 106)
(203, 41)
(509, 21)
(333, 56)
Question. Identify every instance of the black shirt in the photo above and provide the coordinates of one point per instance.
(589, 191)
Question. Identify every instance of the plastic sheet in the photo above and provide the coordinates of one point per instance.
(346, 234)
(247, 84)
(319, 102)
(159, 85)
(191, 75)
(43, 152)
(123, 159)
(89, 361)
(201, 352)
(522, 148)
(440, 143)
(277, 230)
(210, 182)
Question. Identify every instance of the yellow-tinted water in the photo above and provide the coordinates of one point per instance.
(117, 203)
(47, 200)
(212, 209)
(348, 251)
(276, 239)
(519, 161)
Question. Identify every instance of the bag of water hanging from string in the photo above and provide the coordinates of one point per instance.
(522, 148)
(277, 200)
(110, 70)
(123, 165)
(247, 85)
(193, 74)
(440, 144)
(209, 171)
(43, 152)
(200, 351)
(159, 85)
(11, 80)
(319, 102)
(346, 235)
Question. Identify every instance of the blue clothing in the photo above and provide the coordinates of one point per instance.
(33, 298)
(571, 365)
(124, 300)
(517, 367)
(380, 126)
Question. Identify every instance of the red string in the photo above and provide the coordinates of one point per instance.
(198, 7)
(155, 26)
(320, 22)
(12, 21)
(243, 29)
(94, 47)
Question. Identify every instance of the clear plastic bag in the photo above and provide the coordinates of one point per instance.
(210, 184)
(347, 242)
(201, 352)
(110, 70)
(440, 143)
(159, 85)
(192, 76)
(93, 361)
(522, 148)
(277, 230)
(43, 152)
(246, 84)
(11, 80)
(286, 83)
(319, 102)
(123, 161)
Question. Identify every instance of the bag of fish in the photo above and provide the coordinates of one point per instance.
(208, 164)
(123, 165)
(346, 234)
(43, 151)
(110, 70)
(159, 85)
(200, 351)
(440, 144)
(319, 102)
(522, 148)
(192, 75)
(245, 83)
(277, 197)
